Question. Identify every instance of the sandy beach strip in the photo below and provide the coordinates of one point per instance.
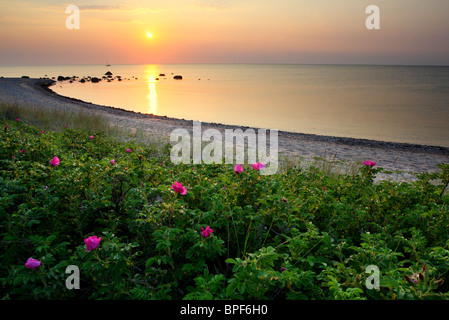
(400, 158)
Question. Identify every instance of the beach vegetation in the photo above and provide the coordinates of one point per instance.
(143, 228)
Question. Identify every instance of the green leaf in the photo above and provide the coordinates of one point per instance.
(388, 282)
(230, 289)
(241, 287)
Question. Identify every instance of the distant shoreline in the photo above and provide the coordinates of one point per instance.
(403, 157)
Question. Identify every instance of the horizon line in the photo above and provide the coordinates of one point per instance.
(232, 63)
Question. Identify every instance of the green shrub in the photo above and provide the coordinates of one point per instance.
(299, 234)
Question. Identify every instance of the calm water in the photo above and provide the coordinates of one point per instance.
(389, 103)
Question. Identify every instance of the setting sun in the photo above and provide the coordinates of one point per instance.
(149, 34)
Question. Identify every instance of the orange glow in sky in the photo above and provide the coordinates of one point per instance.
(224, 31)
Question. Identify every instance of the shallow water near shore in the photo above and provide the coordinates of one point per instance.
(389, 103)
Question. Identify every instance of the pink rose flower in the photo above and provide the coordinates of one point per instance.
(128, 150)
(92, 243)
(206, 232)
(238, 168)
(112, 161)
(178, 187)
(257, 166)
(55, 161)
(91, 137)
(32, 263)
(369, 163)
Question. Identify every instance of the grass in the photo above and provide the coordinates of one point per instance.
(58, 119)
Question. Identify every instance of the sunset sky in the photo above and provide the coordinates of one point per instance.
(224, 31)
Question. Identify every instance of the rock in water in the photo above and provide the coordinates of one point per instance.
(177, 77)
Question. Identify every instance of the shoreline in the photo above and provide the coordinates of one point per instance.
(404, 157)
(312, 137)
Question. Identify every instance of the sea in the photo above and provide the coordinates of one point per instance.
(405, 104)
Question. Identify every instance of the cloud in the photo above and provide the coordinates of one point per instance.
(214, 4)
(121, 8)
(97, 7)
(123, 20)
(106, 8)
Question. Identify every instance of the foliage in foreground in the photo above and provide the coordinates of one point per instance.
(298, 234)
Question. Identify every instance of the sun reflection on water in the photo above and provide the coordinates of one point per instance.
(152, 95)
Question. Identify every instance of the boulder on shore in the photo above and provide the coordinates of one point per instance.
(109, 73)
(95, 80)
